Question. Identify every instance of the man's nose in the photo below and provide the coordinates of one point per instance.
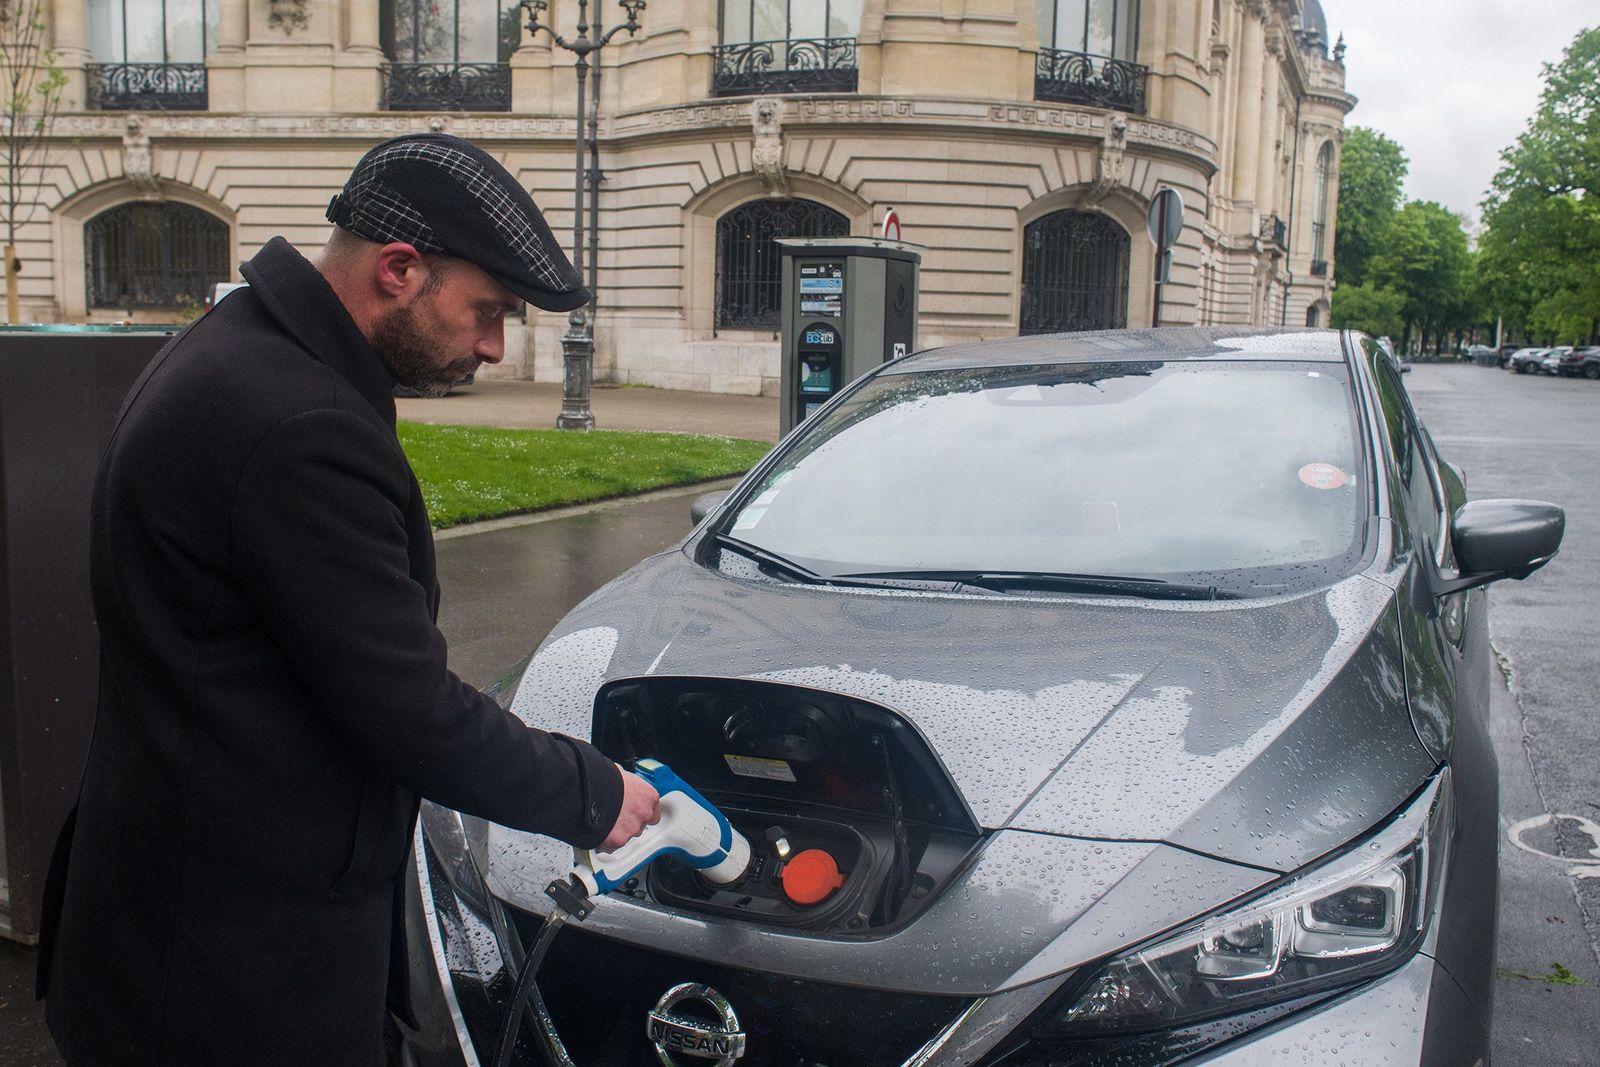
(491, 347)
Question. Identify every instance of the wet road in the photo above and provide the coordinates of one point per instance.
(506, 587)
(1533, 436)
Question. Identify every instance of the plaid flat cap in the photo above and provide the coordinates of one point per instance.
(446, 196)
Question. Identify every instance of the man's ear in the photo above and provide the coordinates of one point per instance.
(400, 270)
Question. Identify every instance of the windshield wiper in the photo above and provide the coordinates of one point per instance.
(800, 573)
(1109, 584)
(771, 560)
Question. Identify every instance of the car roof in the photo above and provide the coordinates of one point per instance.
(1112, 346)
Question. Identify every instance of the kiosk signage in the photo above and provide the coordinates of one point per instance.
(848, 304)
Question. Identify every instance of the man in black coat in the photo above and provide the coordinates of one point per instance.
(274, 696)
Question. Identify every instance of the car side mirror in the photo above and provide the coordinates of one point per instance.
(1497, 539)
(705, 504)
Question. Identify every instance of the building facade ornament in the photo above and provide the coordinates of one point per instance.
(767, 149)
(1109, 167)
(288, 16)
(138, 158)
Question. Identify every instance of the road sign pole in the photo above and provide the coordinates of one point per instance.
(1165, 223)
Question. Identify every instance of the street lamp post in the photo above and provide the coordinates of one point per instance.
(577, 345)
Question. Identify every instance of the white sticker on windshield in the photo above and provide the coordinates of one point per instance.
(748, 518)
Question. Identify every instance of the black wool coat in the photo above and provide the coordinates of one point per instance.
(273, 700)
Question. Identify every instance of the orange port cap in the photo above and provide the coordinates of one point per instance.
(811, 877)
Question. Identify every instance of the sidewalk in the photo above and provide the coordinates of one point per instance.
(534, 405)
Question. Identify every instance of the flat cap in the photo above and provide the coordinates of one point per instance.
(446, 196)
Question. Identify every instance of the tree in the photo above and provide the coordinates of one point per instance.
(1542, 216)
(32, 84)
(1425, 260)
(1369, 309)
(1371, 170)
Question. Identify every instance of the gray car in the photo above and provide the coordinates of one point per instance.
(1132, 686)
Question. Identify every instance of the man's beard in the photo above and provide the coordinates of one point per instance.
(411, 354)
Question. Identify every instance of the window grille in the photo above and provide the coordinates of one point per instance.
(149, 54)
(448, 55)
(749, 262)
(1074, 274)
(154, 255)
(798, 46)
(1086, 54)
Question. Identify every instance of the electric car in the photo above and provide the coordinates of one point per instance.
(1124, 694)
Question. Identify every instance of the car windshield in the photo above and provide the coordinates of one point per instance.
(1243, 476)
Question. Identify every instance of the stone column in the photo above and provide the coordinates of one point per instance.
(361, 26)
(233, 25)
(1247, 135)
(225, 66)
(1271, 128)
(69, 37)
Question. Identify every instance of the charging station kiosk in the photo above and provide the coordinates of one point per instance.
(848, 305)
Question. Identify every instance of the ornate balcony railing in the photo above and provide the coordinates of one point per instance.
(146, 86)
(803, 65)
(1275, 231)
(447, 87)
(1080, 78)
(1319, 268)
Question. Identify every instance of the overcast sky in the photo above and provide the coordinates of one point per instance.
(1453, 81)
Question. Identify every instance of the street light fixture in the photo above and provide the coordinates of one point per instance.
(577, 345)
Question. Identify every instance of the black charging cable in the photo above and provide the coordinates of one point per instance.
(571, 899)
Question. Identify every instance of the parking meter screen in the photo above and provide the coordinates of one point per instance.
(816, 375)
(820, 335)
(822, 289)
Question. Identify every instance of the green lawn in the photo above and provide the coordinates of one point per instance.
(469, 472)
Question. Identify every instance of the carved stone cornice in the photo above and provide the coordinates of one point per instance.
(949, 117)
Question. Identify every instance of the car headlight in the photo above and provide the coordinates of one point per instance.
(1348, 919)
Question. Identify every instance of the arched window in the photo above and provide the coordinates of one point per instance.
(150, 53)
(749, 266)
(154, 255)
(804, 47)
(1314, 315)
(1074, 273)
(449, 54)
(1087, 50)
(1319, 211)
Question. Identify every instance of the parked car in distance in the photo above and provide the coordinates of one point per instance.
(1130, 688)
(1582, 363)
(1480, 354)
(1503, 355)
(1526, 360)
(1401, 360)
(1550, 362)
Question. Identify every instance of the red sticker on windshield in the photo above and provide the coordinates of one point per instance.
(1322, 476)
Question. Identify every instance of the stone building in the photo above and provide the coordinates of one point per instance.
(1021, 143)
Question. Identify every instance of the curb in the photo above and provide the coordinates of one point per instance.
(529, 518)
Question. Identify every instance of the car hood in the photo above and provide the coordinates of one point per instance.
(1261, 732)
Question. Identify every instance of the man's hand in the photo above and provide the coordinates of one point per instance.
(641, 807)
